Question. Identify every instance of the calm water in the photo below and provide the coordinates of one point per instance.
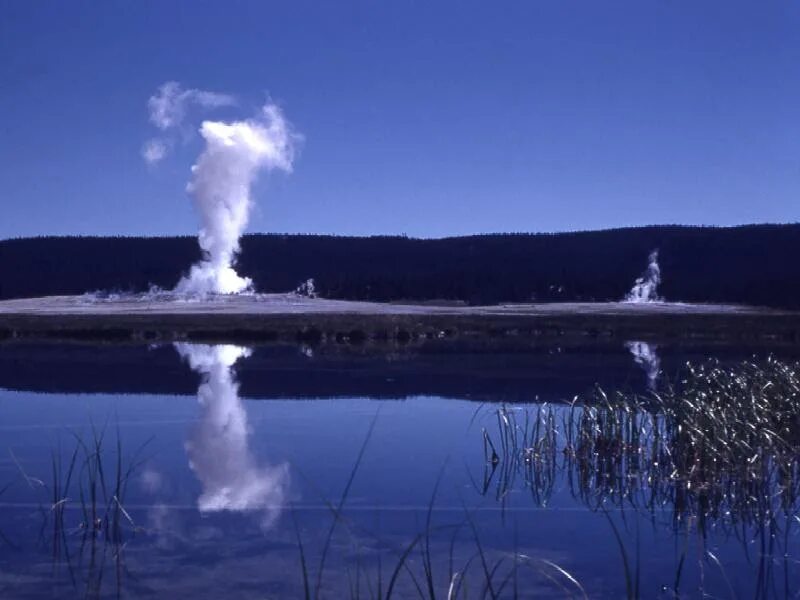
(229, 455)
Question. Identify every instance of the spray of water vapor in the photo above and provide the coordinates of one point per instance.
(221, 183)
(168, 105)
(222, 177)
(154, 151)
(167, 109)
(646, 287)
(218, 445)
(645, 356)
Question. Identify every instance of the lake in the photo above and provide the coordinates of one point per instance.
(460, 470)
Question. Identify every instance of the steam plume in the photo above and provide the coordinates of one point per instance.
(221, 180)
(234, 154)
(218, 445)
(167, 110)
(154, 151)
(168, 105)
(646, 287)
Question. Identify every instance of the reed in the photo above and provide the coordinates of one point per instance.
(724, 444)
(82, 504)
(719, 448)
(423, 578)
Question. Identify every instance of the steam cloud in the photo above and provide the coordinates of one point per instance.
(234, 155)
(218, 445)
(646, 287)
(154, 151)
(168, 105)
(220, 187)
(168, 108)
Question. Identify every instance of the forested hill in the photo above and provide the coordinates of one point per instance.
(754, 264)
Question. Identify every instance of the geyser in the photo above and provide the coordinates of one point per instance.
(234, 155)
(646, 287)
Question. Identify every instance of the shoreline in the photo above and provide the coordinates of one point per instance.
(290, 318)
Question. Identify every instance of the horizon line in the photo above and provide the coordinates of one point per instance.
(410, 237)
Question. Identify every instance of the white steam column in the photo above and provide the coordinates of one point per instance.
(222, 178)
(646, 287)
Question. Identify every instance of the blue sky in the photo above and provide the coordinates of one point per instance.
(420, 118)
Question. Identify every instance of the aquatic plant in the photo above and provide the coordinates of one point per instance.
(89, 481)
(720, 448)
(723, 443)
(399, 568)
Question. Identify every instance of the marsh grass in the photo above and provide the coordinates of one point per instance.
(724, 445)
(720, 448)
(84, 520)
(410, 567)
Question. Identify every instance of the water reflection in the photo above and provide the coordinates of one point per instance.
(732, 456)
(720, 454)
(218, 444)
(714, 468)
(644, 355)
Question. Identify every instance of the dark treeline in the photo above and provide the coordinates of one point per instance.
(752, 264)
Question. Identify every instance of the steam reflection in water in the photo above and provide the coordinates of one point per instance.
(645, 355)
(217, 447)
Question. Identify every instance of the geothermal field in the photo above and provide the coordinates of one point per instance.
(295, 317)
(212, 300)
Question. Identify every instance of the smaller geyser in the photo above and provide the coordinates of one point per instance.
(646, 287)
